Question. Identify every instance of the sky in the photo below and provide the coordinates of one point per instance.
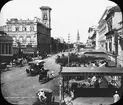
(67, 16)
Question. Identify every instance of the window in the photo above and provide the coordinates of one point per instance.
(110, 24)
(28, 39)
(9, 28)
(45, 16)
(14, 39)
(31, 28)
(34, 39)
(21, 39)
(16, 28)
(24, 28)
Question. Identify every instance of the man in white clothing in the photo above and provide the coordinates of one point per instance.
(41, 95)
(116, 97)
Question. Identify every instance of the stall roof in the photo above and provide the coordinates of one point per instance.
(78, 71)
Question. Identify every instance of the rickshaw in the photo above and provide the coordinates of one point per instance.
(46, 98)
(45, 75)
(35, 67)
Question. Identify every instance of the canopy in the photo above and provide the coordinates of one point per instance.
(79, 71)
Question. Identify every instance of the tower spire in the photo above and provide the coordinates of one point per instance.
(78, 37)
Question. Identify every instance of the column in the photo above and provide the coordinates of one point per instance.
(11, 47)
(0, 48)
(7, 48)
(4, 48)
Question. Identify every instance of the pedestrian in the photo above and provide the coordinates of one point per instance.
(72, 94)
(116, 97)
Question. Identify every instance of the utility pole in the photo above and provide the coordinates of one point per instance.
(60, 86)
(68, 49)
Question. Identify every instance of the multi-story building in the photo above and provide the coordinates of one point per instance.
(120, 43)
(33, 35)
(102, 30)
(113, 18)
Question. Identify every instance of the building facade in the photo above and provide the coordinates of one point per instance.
(6, 50)
(120, 43)
(114, 46)
(113, 17)
(102, 30)
(32, 35)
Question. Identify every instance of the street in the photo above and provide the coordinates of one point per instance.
(18, 88)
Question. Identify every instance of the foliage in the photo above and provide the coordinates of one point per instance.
(75, 59)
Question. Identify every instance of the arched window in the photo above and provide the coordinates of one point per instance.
(20, 39)
(24, 28)
(14, 39)
(34, 39)
(31, 28)
(28, 39)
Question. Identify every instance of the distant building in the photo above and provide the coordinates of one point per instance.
(6, 51)
(33, 35)
(92, 33)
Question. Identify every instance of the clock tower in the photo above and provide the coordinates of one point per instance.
(46, 19)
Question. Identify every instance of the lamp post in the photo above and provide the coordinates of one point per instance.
(50, 48)
(68, 49)
(60, 86)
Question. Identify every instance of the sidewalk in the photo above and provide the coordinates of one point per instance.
(93, 101)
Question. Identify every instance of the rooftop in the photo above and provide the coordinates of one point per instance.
(45, 8)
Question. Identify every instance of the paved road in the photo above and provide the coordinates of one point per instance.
(19, 88)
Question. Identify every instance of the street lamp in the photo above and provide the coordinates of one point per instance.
(50, 48)
(60, 86)
(68, 49)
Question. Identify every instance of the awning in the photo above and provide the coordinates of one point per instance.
(28, 52)
(79, 71)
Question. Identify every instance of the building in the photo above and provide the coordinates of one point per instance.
(33, 36)
(6, 51)
(120, 43)
(102, 30)
(113, 18)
